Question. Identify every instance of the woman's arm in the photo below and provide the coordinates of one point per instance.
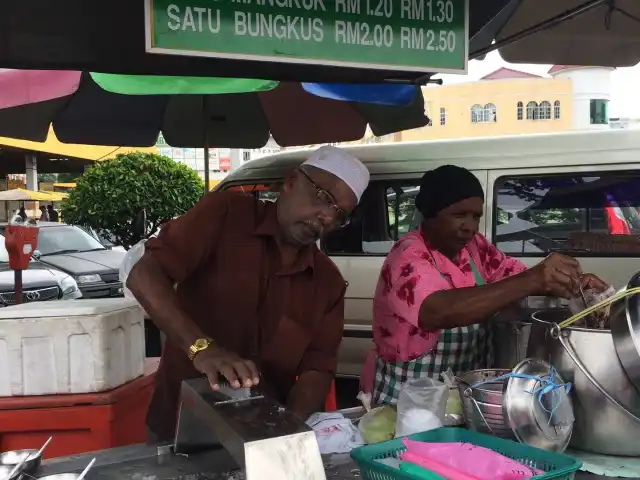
(466, 306)
(556, 275)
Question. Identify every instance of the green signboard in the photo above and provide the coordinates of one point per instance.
(401, 35)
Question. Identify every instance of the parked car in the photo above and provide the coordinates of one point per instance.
(104, 240)
(40, 282)
(79, 254)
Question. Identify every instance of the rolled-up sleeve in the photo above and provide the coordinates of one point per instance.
(322, 354)
(498, 265)
(408, 281)
(187, 241)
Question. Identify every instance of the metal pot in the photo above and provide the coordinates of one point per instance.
(5, 470)
(510, 340)
(14, 457)
(606, 404)
(624, 320)
(483, 405)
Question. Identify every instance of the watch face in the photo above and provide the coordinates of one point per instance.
(201, 343)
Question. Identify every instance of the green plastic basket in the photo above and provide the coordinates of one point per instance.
(556, 466)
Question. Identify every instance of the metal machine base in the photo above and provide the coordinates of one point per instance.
(211, 419)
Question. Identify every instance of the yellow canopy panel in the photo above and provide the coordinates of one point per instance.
(85, 152)
(64, 185)
(22, 195)
(54, 196)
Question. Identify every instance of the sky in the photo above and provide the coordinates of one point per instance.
(625, 100)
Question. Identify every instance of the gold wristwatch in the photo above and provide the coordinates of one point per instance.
(199, 345)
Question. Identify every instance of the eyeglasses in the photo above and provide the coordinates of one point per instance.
(340, 217)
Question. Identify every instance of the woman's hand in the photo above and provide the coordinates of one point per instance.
(592, 282)
(558, 275)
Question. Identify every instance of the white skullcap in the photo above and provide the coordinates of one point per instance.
(343, 165)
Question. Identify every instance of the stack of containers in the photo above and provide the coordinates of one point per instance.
(74, 370)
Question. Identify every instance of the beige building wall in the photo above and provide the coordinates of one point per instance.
(457, 101)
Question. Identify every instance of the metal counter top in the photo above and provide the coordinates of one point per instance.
(143, 462)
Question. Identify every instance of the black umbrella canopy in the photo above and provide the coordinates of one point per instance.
(83, 112)
(565, 32)
(110, 37)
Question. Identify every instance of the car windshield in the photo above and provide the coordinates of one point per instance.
(66, 239)
(4, 255)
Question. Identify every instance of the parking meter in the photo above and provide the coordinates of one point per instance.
(20, 241)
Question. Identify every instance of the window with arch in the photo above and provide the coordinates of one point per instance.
(486, 114)
(520, 110)
(490, 112)
(544, 111)
(443, 116)
(477, 114)
(556, 110)
(532, 111)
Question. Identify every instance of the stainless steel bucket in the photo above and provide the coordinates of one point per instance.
(606, 404)
(483, 404)
(510, 340)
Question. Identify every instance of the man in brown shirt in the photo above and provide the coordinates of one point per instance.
(256, 300)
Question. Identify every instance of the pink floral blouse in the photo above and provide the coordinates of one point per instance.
(412, 272)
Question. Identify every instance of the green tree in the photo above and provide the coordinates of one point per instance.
(111, 194)
(47, 177)
(67, 177)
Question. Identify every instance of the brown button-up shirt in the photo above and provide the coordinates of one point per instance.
(227, 266)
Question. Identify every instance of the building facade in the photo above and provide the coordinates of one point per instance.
(590, 92)
(511, 102)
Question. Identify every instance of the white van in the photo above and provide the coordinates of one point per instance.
(575, 192)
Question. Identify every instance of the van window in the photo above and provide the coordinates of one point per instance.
(386, 212)
(592, 214)
(261, 191)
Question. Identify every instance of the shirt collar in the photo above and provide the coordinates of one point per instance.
(268, 226)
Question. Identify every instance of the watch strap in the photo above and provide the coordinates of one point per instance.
(198, 346)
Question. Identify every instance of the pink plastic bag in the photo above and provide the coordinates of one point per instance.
(472, 460)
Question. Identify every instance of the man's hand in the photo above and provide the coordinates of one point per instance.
(216, 361)
(557, 275)
(592, 282)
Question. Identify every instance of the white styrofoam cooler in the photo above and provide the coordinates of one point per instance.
(70, 346)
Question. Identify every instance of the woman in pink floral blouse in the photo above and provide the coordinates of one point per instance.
(439, 285)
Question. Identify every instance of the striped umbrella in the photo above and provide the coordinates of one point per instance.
(111, 109)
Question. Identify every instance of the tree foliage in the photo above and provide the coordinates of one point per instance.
(110, 195)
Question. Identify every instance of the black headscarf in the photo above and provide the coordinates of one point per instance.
(445, 186)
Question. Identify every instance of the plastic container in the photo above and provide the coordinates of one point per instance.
(79, 423)
(556, 466)
(70, 346)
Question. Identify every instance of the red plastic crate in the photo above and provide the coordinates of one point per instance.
(78, 423)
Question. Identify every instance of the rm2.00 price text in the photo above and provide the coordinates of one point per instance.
(412, 38)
